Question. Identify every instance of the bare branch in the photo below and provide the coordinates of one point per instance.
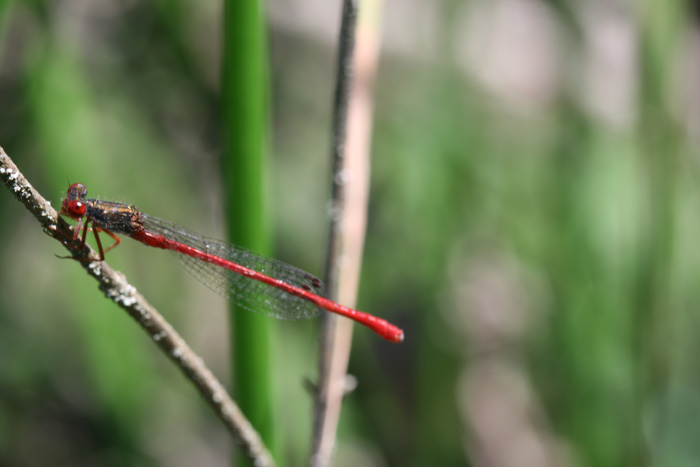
(115, 286)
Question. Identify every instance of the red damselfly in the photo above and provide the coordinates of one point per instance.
(263, 285)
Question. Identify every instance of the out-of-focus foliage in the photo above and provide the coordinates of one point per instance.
(533, 221)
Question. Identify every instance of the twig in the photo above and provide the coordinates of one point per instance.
(115, 286)
(350, 178)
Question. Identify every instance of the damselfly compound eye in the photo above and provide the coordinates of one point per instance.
(75, 209)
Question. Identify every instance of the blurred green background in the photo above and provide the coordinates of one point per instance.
(532, 226)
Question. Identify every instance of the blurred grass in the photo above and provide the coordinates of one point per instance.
(571, 234)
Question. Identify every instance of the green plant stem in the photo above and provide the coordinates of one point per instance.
(244, 98)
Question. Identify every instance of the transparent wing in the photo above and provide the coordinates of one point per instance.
(248, 293)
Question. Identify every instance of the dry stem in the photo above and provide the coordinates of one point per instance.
(352, 118)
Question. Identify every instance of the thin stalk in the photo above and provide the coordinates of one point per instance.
(351, 130)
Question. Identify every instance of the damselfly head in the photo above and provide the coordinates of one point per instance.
(74, 204)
